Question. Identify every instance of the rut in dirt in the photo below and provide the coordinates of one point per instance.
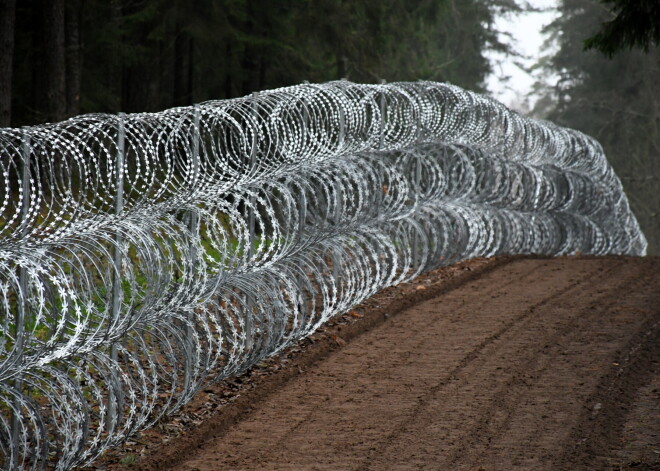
(533, 365)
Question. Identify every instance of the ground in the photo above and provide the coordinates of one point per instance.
(512, 363)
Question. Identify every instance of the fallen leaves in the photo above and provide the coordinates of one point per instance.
(338, 340)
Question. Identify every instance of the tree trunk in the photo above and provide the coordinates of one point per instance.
(262, 72)
(117, 69)
(73, 57)
(181, 49)
(341, 64)
(7, 19)
(54, 59)
(251, 53)
(37, 105)
(191, 72)
(180, 70)
(228, 67)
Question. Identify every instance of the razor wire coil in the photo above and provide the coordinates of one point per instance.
(143, 256)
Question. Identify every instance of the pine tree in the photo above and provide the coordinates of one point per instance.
(147, 55)
(618, 102)
(7, 19)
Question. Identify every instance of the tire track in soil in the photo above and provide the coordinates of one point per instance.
(501, 373)
(495, 415)
(496, 425)
(413, 332)
(598, 441)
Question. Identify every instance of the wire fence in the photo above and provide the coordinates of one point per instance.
(143, 256)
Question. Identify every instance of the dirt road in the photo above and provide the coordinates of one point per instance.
(537, 364)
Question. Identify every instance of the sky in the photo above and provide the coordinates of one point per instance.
(526, 38)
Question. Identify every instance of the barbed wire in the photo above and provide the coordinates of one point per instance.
(143, 256)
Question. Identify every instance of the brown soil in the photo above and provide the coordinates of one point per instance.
(508, 364)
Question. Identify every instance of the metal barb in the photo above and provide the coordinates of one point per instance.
(145, 256)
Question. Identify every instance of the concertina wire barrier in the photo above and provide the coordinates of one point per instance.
(143, 256)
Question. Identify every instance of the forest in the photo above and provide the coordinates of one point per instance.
(61, 58)
(81, 56)
(614, 99)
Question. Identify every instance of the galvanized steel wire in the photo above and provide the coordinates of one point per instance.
(143, 256)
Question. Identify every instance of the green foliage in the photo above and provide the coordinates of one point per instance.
(615, 100)
(147, 55)
(128, 460)
(636, 24)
